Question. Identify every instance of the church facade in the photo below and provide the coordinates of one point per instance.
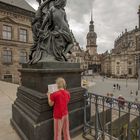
(15, 37)
(123, 61)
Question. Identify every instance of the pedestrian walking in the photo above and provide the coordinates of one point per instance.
(103, 79)
(108, 99)
(131, 92)
(134, 106)
(60, 100)
(112, 99)
(136, 99)
(117, 86)
(114, 86)
(136, 93)
(121, 101)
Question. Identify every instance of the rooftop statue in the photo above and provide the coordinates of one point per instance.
(51, 34)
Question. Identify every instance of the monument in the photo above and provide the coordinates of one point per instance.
(31, 115)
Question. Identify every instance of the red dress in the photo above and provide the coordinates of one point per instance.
(61, 99)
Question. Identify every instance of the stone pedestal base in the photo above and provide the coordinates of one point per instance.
(31, 114)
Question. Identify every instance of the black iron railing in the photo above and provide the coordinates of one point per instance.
(110, 118)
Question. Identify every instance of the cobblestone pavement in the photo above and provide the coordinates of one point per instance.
(103, 87)
(8, 95)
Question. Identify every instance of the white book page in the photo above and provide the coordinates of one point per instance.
(52, 88)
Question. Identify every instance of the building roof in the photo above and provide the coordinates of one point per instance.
(20, 4)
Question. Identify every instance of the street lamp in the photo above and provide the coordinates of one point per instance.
(138, 72)
(126, 80)
(126, 72)
(138, 58)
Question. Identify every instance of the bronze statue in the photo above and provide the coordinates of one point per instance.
(51, 33)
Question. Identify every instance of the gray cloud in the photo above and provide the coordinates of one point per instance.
(111, 17)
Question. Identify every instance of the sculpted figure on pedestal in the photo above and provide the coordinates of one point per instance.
(51, 33)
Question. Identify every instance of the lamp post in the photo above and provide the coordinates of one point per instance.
(126, 80)
(126, 73)
(138, 59)
(138, 72)
(138, 45)
(139, 16)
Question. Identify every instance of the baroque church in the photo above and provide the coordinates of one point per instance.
(89, 59)
(123, 61)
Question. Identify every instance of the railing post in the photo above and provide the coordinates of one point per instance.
(139, 122)
(111, 103)
(90, 96)
(96, 117)
(129, 124)
(119, 121)
(119, 112)
(85, 109)
(103, 134)
(90, 102)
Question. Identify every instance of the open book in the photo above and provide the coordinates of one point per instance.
(52, 88)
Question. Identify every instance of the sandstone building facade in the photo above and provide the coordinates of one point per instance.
(15, 37)
(123, 60)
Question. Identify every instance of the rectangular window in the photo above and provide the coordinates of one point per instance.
(7, 77)
(23, 57)
(23, 35)
(7, 56)
(7, 32)
(130, 71)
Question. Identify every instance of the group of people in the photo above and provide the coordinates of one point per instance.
(136, 95)
(131, 92)
(111, 101)
(116, 86)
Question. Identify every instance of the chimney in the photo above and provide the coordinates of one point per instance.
(139, 16)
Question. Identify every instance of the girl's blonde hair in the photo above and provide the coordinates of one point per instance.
(61, 83)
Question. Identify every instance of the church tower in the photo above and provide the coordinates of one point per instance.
(91, 39)
(139, 16)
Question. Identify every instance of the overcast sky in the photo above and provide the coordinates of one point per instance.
(111, 17)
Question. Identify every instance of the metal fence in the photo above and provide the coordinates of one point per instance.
(108, 118)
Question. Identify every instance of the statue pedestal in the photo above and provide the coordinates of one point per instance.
(31, 115)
